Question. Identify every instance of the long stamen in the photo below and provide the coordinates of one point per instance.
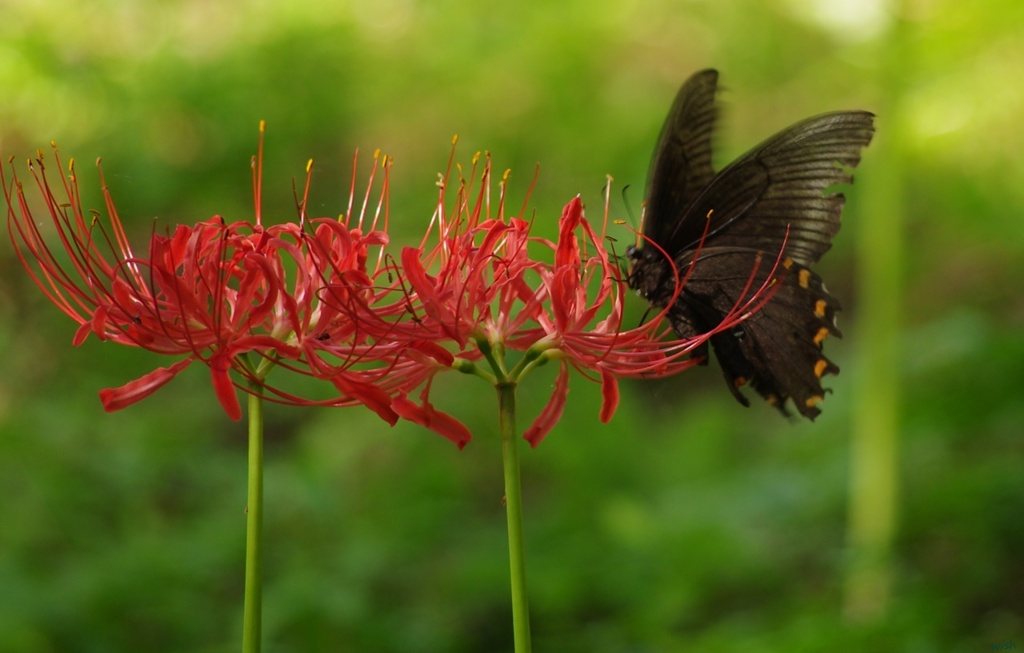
(369, 189)
(257, 175)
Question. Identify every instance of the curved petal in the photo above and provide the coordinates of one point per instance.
(224, 387)
(425, 415)
(609, 395)
(568, 250)
(368, 395)
(552, 412)
(121, 397)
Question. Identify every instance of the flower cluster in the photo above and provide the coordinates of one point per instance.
(233, 295)
(497, 288)
(322, 297)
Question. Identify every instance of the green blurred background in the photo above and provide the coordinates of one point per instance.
(893, 523)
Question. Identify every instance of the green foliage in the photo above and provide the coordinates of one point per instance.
(686, 524)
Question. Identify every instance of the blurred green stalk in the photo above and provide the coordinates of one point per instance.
(875, 444)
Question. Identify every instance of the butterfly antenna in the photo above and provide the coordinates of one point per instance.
(629, 211)
(643, 318)
(637, 224)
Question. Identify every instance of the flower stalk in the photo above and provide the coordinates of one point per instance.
(253, 607)
(514, 515)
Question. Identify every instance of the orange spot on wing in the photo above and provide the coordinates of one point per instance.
(804, 278)
(820, 367)
(820, 336)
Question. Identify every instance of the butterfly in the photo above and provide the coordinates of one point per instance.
(726, 230)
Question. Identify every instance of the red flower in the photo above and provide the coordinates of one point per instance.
(491, 292)
(213, 291)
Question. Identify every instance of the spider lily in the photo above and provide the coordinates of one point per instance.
(239, 297)
(488, 286)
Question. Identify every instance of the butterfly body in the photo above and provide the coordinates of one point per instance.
(761, 221)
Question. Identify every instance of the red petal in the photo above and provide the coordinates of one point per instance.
(88, 327)
(565, 288)
(609, 394)
(224, 387)
(368, 395)
(568, 250)
(552, 412)
(426, 288)
(439, 422)
(137, 390)
(434, 351)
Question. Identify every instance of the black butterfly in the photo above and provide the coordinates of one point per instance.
(747, 208)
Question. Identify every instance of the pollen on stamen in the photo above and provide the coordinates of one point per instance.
(305, 192)
(257, 174)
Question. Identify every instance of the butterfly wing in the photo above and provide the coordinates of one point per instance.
(782, 184)
(778, 349)
(681, 166)
(774, 200)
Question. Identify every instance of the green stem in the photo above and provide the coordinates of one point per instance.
(252, 615)
(495, 356)
(874, 450)
(514, 512)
